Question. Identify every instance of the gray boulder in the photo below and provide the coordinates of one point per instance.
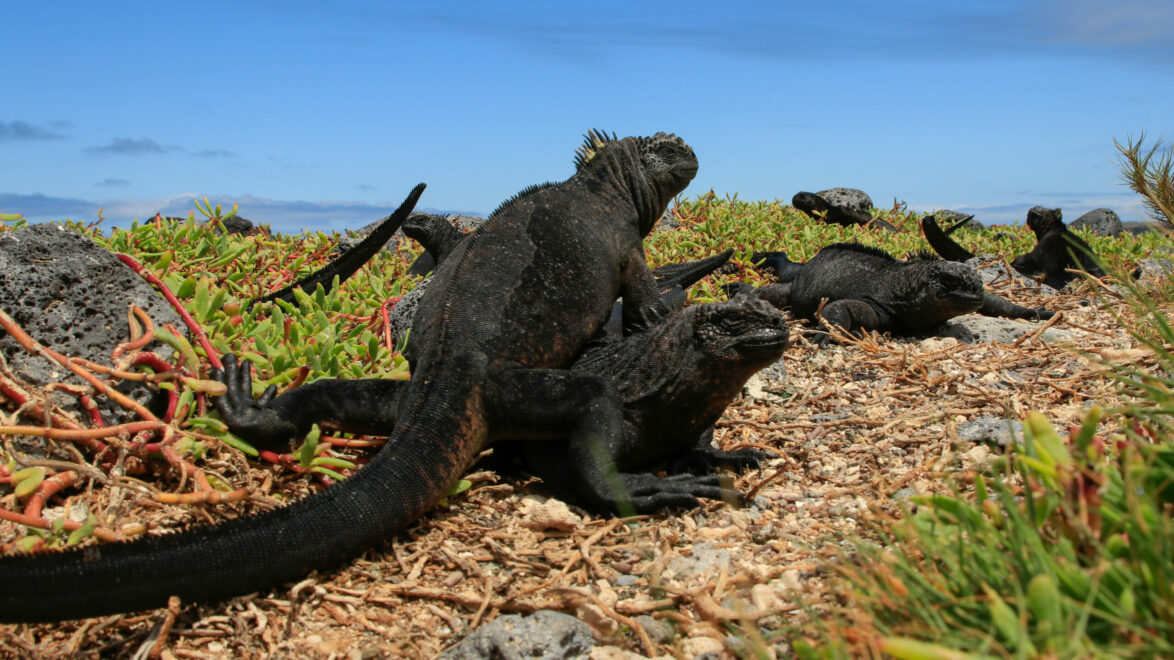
(71, 295)
(976, 329)
(847, 197)
(544, 635)
(1103, 222)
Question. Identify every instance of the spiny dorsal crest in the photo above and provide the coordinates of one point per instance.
(922, 255)
(593, 141)
(522, 194)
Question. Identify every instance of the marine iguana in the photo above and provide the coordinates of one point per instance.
(506, 315)
(866, 287)
(695, 362)
(1057, 249)
(439, 238)
(674, 381)
(820, 209)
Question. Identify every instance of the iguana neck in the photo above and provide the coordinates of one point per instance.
(619, 166)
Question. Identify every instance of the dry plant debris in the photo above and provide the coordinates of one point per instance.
(855, 429)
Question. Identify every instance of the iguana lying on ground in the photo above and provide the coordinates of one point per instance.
(818, 208)
(506, 315)
(1057, 250)
(865, 287)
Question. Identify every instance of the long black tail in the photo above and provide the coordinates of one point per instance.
(354, 258)
(239, 556)
(941, 242)
(779, 262)
(689, 273)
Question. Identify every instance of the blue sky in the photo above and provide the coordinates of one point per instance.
(325, 115)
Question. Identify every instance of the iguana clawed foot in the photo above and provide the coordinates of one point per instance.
(648, 493)
(252, 419)
(709, 459)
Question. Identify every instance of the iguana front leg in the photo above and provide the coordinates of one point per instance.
(704, 458)
(279, 422)
(574, 426)
(642, 305)
(993, 305)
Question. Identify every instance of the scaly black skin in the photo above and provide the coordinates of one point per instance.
(675, 378)
(674, 381)
(818, 208)
(941, 242)
(1056, 250)
(868, 288)
(507, 314)
(439, 238)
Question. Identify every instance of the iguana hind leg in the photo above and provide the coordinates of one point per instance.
(849, 315)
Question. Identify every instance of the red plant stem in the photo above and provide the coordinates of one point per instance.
(353, 442)
(34, 347)
(145, 336)
(83, 434)
(92, 409)
(36, 410)
(69, 525)
(47, 489)
(197, 331)
(153, 361)
(385, 312)
(172, 403)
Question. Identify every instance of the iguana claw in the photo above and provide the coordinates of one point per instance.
(253, 420)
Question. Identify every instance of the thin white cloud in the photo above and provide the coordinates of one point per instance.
(288, 216)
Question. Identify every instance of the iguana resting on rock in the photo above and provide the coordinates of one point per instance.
(506, 315)
(820, 209)
(1057, 250)
(865, 287)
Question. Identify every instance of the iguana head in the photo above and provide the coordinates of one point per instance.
(810, 203)
(1041, 219)
(932, 291)
(655, 169)
(745, 330)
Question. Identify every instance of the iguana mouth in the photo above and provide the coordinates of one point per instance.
(761, 342)
(964, 296)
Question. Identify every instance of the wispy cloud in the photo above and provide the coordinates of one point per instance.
(113, 183)
(214, 153)
(130, 147)
(282, 215)
(1072, 204)
(22, 131)
(839, 30)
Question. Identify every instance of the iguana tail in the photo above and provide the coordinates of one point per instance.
(941, 242)
(354, 258)
(205, 564)
(786, 269)
(687, 274)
